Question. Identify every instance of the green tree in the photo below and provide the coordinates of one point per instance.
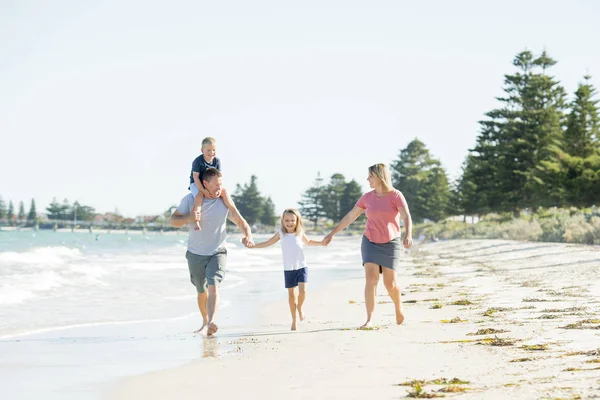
(416, 175)
(312, 204)
(434, 195)
(10, 214)
(352, 192)
(268, 216)
(332, 195)
(249, 201)
(82, 212)
(32, 215)
(66, 211)
(583, 126)
(21, 215)
(54, 210)
(520, 140)
(2, 209)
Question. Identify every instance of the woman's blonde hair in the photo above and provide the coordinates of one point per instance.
(298, 228)
(382, 172)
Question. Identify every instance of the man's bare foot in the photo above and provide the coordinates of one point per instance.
(399, 317)
(366, 325)
(294, 325)
(212, 329)
(301, 314)
(202, 330)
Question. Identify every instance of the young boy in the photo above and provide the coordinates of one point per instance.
(204, 161)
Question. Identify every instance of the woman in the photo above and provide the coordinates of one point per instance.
(381, 243)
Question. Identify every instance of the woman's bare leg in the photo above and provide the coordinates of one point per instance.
(371, 281)
(391, 284)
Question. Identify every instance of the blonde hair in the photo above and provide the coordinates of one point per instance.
(298, 228)
(207, 141)
(382, 172)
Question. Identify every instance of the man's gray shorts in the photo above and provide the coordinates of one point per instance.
(206, 269)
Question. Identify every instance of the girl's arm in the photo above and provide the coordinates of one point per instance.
(274, 239)
(343, 224)
(309, 242)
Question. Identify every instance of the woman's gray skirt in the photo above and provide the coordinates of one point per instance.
(385, 255)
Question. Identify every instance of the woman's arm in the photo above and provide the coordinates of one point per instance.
(405, 215)
(309, 242)
(274, 239)
(343, 224)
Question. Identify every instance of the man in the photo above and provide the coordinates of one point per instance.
(206, 253)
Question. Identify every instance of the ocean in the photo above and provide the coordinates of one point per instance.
(80, 310)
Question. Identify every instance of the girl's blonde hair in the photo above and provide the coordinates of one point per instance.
(298, 228)
(382, 172)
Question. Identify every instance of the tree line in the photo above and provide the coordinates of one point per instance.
(9, 215)
(535, 150)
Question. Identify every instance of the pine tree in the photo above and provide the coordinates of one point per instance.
(352, 192)
(577, 170)
(2, 209)
(10, 214)
(422, 181)
(583, 126)
(21, 215)
(519, 141)
(332, 195)
(312, 204)
(54, 210)
(433, 197)
(268, 216)
(249, 201)
(32, 215)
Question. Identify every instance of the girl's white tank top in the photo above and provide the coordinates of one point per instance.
(292, 249)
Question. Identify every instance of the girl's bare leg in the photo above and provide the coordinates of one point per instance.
(293, 305)
(301, 298)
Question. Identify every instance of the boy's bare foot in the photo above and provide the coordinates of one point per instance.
(212, 329)
(294, 325)
(366, 325)
(301, 314)
(202, 330)
(197, 228)
(399, 317)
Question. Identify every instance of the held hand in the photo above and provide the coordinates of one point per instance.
(407, 242)
(248, 242)
(327, 239)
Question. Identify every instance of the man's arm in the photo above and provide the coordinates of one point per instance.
(239, 221)
(178, 219)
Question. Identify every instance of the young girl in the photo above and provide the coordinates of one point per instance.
(293, 239)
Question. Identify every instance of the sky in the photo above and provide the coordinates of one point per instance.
(107, 102)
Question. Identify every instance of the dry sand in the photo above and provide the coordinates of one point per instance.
(544, 298)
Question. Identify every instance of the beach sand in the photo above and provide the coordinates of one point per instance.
(542, 299)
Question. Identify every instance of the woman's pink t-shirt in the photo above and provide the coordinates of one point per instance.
(383, 216)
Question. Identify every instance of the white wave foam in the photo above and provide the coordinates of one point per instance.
(15, 289)
(92, 324)
(40, 256)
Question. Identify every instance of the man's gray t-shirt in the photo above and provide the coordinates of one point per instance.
(211, 237)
